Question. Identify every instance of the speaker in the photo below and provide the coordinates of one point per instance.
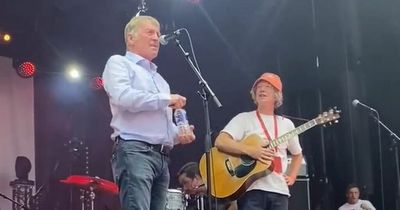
(300, 195)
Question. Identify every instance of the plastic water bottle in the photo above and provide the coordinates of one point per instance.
(182, 121)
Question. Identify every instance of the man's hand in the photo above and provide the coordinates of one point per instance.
(186, 137)
(177, 101)
(366, 205)
(199, 190)
(289, 180)
(264, 155)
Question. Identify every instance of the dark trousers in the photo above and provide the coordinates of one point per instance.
(142, 175)
(262, 200)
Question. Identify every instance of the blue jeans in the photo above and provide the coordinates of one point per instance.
(142, 175)
(262, 200)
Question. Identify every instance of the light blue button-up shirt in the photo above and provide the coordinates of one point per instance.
(139, 98)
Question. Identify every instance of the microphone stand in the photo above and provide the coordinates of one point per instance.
(205, 93)
(395, 140)
(14, 202)
(141, 8)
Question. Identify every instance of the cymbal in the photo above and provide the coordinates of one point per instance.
(94, 183)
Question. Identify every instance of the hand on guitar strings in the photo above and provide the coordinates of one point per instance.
(262, 154)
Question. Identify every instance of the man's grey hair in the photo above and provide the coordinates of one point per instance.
(133, 25)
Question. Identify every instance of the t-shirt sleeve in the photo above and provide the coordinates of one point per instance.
(236, 127)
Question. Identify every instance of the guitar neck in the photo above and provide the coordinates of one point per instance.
(289, 135)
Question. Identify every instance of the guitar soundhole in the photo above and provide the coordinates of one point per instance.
(247, 165)
(247, 160)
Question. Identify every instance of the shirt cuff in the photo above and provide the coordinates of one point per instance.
(164, 99)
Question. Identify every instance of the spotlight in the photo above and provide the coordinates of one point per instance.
(74, 72)
(96, 83)
(26, 69)
(6, 38)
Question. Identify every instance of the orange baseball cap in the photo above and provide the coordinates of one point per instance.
(274, 79)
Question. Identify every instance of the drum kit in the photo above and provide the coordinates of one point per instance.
(92, 185)
(176, 199)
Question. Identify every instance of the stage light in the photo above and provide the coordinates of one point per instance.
(96, 83)
(6, 37)
(26, 69)
(74, 73)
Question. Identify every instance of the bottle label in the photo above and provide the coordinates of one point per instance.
(181, 121)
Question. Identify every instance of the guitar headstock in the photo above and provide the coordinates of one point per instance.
(329, 117)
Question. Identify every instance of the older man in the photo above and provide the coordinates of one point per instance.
(141, 106)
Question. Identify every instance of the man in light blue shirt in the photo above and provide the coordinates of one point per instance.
(141, 106)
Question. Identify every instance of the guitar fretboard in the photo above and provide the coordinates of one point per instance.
(289, 135)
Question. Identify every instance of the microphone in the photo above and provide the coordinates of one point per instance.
(164, 39)
(356, 102)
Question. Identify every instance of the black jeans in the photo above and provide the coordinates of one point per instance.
(263, 200)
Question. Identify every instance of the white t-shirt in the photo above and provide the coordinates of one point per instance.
(247, 123)
(357, 206)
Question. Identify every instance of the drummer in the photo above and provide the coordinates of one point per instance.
(192, 184)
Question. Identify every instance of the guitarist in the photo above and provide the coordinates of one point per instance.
(269, 192)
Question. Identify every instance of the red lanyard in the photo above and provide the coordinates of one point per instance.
(277, 160)
(265, 128)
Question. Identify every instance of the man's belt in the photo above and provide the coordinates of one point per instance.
(161, 148)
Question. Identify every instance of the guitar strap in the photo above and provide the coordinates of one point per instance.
(277, 160)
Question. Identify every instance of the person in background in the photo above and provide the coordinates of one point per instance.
(353, 200)
(192, 184)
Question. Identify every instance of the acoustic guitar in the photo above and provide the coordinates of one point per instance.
(233, 174)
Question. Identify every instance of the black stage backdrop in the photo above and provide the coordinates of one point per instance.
(327, 53)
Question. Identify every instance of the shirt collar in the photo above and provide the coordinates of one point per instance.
(141, 61)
